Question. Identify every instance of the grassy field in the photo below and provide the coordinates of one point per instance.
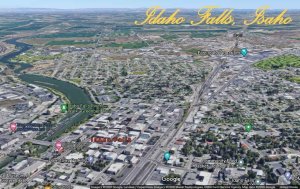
(169, 37)
(202, 35)
(132, 45)
(295, 79)
(30, 27)
(28, 58)
(69, 42)
(192, 51)
(67, 35)
(10, 25)
(279, 62)
(76, 80)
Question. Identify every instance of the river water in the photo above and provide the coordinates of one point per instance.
(75, 94)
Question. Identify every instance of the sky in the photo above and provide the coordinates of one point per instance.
(195, 4)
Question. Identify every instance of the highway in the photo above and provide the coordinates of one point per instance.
(145, 167)
(170, 135)
(138, 168)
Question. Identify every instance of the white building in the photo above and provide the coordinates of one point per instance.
(110, 155)
(134, 160)
(36, 166)
(76, 156)
(115, 168)
(19, 165)
(162, 170)
(9, 143)
(122, 158)
(206, 177)
(94, 146)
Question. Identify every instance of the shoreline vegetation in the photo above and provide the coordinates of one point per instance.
(69, 42)
(279, 62)
(67, 91)
(26, 58)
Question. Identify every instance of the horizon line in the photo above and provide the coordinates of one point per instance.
(138, 8)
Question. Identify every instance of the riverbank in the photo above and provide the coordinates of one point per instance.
(71, 93)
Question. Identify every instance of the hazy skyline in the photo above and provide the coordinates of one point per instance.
(195, 4)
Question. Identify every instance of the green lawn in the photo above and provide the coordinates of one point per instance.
(29, 58)
(295, 79)
(69, 42)
(67, 35)
(169, 37)
(279, 62)
(192, 50)
(30, 27)
(132, 45)
(76, 80)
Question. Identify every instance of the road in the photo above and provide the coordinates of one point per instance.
(171, 133)
(138, 168)
(40, 142)
(137, 171)
(169, 136)
(145, 173)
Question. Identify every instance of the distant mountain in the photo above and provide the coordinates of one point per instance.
(41, 10)
(25, 10)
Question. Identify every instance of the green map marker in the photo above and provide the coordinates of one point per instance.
(244, 52)
(64, 108)
(257, 181)
(241, 162)
(167, 156)
(248, 127)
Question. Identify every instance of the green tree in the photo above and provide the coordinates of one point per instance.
(187, 149)
(251, 174)
(198, 152)
(124, 72)
(272, 178)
